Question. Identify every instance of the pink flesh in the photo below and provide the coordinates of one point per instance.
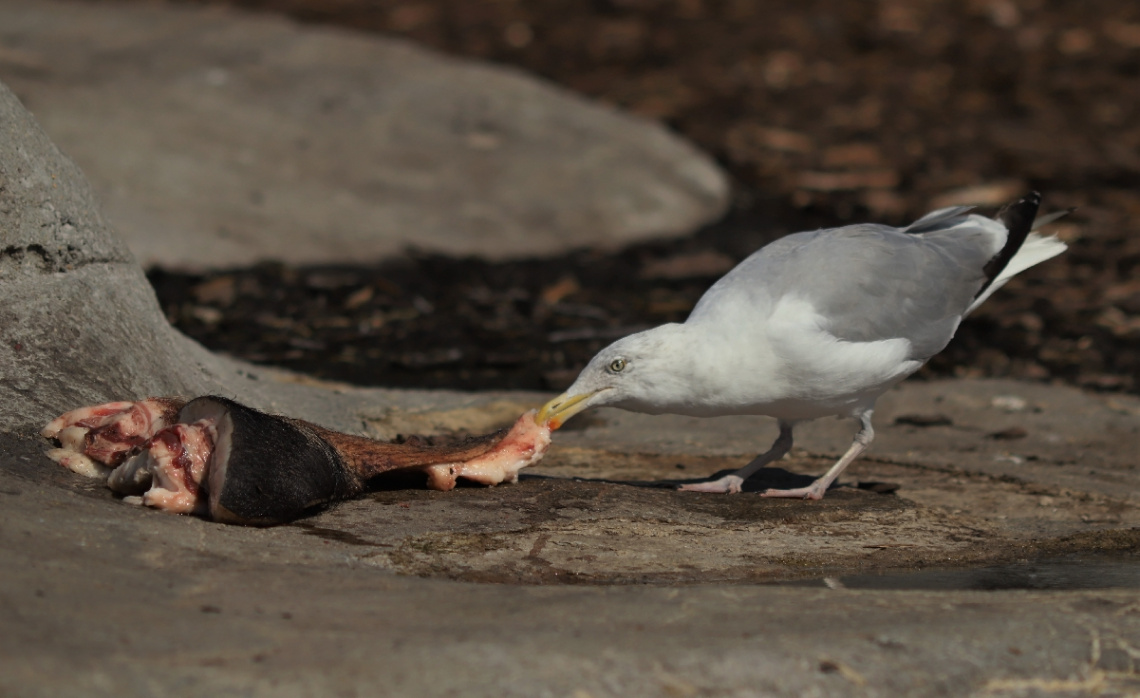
(178, 458)
(108, 433)
(524, 445)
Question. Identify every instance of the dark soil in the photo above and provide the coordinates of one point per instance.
(823, 112)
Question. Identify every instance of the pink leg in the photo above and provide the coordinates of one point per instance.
(817, 489)
(731, 483)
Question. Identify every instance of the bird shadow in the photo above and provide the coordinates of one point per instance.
(765, 479)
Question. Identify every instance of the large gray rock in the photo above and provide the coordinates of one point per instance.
(217, 138)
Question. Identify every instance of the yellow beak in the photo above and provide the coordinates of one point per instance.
(557, 411)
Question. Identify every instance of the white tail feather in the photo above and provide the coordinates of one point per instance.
(1034, 250)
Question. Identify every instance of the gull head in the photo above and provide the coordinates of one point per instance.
(644, 372)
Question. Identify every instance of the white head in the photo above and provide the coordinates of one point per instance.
(649, 371)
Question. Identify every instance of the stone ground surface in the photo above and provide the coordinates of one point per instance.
(587, 578)
(216, 138)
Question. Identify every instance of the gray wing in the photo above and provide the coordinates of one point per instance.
(872, 282)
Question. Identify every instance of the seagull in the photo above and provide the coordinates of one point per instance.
(816, 324)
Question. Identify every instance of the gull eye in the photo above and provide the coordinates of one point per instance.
(617, 365)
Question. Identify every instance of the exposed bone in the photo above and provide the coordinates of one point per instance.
(132, 477)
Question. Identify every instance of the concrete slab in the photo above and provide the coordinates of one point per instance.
(216, 138)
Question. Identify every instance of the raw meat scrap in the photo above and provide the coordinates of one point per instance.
(213, 456)
(96, 439)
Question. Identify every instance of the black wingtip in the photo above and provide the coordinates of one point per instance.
(1018, 219)
(1022, 212)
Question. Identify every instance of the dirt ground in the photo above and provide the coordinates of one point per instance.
(823, 112)
(618, 529)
